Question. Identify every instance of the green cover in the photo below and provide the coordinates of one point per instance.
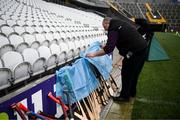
(156, 51)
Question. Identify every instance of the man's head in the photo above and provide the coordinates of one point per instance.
(106, 22)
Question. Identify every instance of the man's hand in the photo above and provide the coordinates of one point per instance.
(90, 55)
(95, 54)
(102, 46)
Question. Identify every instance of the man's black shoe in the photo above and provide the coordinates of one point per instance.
(120, 99)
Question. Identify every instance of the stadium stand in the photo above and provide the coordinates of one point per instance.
(5, 76)
(31, 40)
(5, 45)
(170, 11)
(18, 42)
(133, 8)
(37, 63)
(39, 38)
(50, 58)
(19, 68)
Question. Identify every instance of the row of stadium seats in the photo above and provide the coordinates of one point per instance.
(19, 43)
(25, 15)
(36, 36)
(169, 11)
(18, 66)
(133, 8)
(7, 30)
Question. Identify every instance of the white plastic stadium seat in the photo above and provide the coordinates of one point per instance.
(18, 42)
(39, 29)
(38, 63)
(64, 51)
(2, 22)
(46, 29)
(41, 38)
(29, 23)
(72, 48)
(78, 47)
(6, 30)
(83, 43)
(51, 59)
(63, 35)
(5, 46)
(56, 37)
(5, 76)
(49, 37)
(19, 30)
(21, 22)
(30, 39)
(87, 42)
(61, 55)
(52, 29)
(1, 63)
(20, 69)
(11, 22)
(29, 29)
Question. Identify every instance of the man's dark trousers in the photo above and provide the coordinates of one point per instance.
(130, 73)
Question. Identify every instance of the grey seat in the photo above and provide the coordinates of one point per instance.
(46, 29)
(5, 76)
(37, 63)
(7, 30)
(56, 36)
(2, 22)
(49, 37)
(83, 43)
(5, 45)
(20, 69)
(11, 22)
(29, 23)
(41, 38)
(72, 49)
(64, 50)
(29, 29)
(51, 59)
(18, 42)
(39, 29)
(19, 30)
(61, 55)
(30, 39)
(87, 41)
(21, 22)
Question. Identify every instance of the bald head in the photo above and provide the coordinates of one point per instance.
(106, 22)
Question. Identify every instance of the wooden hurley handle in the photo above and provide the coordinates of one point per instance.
(88, 110)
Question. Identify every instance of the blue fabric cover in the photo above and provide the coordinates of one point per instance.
(102, 63)
(77, 80)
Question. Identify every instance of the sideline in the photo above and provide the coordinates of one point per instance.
(160, 102)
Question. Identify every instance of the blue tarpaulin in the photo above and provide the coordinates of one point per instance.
(78, 80)
(102, 63)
